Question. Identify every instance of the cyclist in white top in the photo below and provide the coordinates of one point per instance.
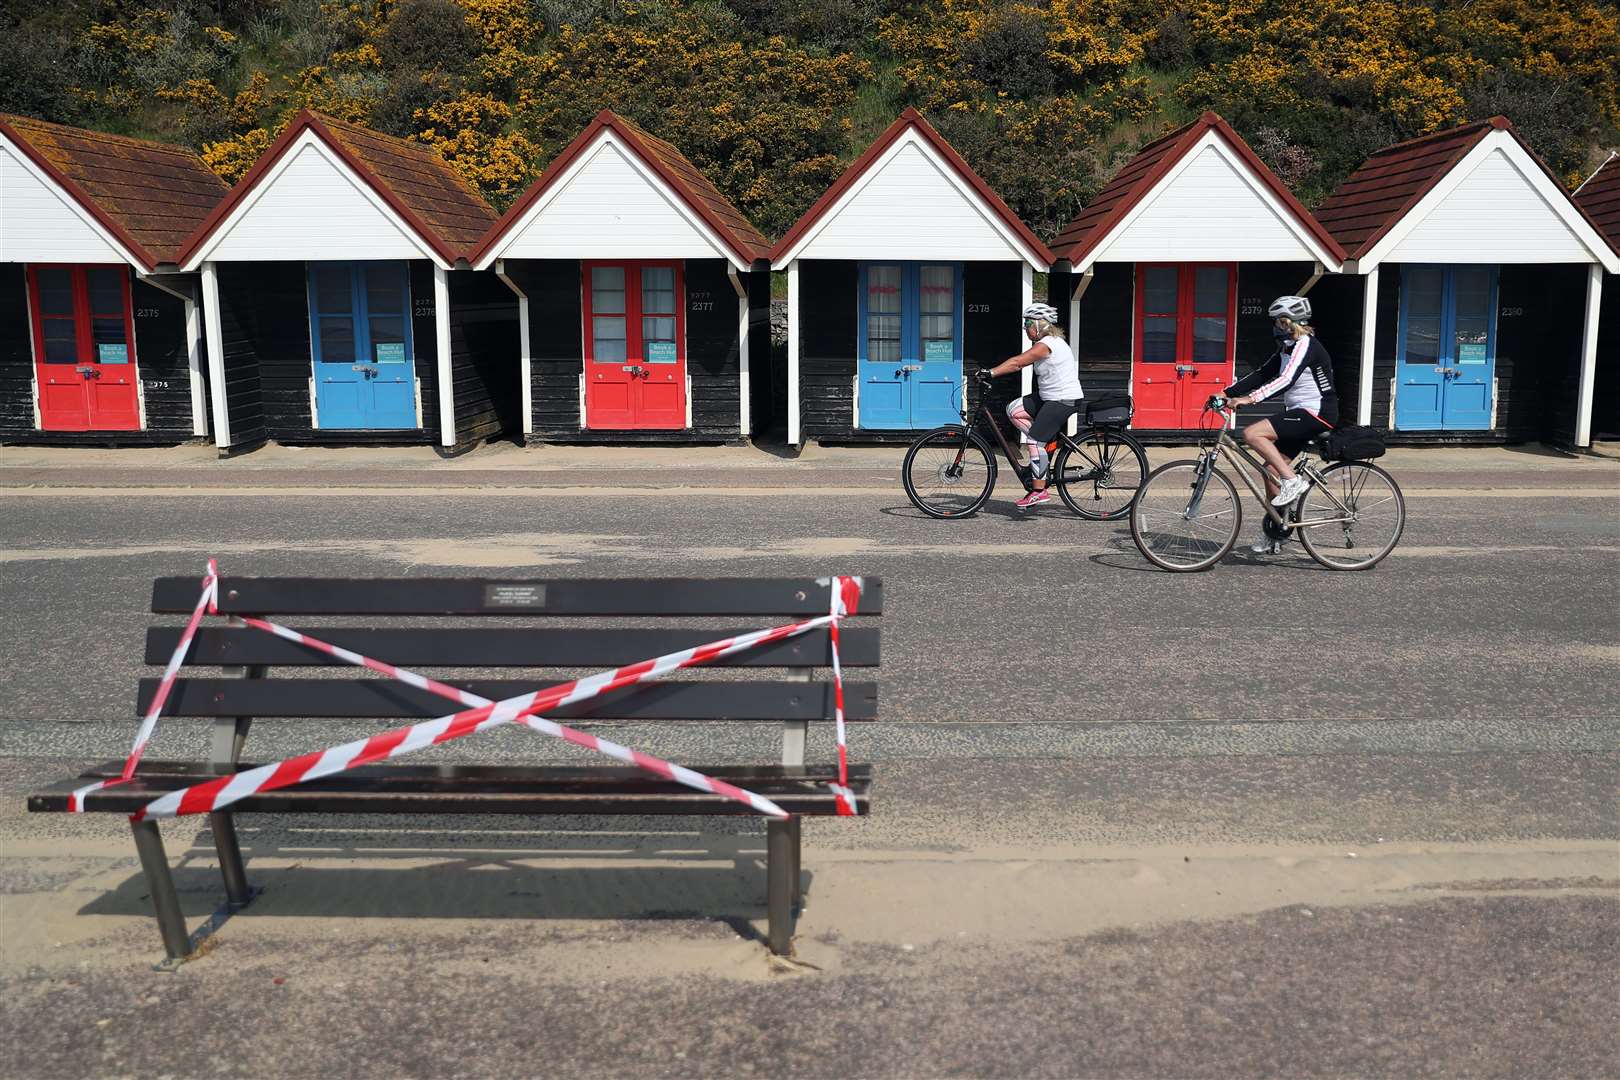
(1041, 415)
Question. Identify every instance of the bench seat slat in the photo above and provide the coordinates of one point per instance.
(512, 596)
(378, 698)
(503, 647)
(450, 789)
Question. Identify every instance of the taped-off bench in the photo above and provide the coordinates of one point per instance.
(769, 683)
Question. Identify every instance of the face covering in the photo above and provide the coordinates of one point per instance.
(1283, 338)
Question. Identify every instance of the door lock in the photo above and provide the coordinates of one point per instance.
(1186, 369)
(911, 367)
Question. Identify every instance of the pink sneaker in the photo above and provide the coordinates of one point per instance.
(1034, 498)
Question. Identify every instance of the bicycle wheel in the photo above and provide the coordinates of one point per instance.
(1370, 530)
(1173, 532)
(1100, 477)
(948, 473)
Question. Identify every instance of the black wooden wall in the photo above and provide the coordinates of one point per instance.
(16, 356)
(160, 355)
(827, 343)
(992, 318)
(828, 336)
(485, 361)
(1606, 385)
(556, 342)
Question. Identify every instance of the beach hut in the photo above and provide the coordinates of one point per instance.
(1599, 199)
(1165, 276)
(643, 295)
(1478, 281)
(335, 309)
(907, 271)
(100, 338)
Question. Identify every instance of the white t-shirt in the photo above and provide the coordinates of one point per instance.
(1057, 377)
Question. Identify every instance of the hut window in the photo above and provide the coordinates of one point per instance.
(910, 311)
(358, 312)
(83, 314)
(632, 312)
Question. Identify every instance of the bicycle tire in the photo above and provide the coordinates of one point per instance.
(1164, 497)
(1109, 496)
(933, 452)
(1386, 526)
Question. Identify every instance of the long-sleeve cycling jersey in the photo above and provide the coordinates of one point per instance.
(1304, 373)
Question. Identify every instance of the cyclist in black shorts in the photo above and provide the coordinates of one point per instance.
(1303, 372)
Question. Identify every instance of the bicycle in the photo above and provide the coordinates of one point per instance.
(949, 472)
(1187, 515)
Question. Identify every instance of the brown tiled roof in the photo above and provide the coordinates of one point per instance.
(149, 195)
(1133, 182)
(1391, 182)
(1599, 197)
(412, 179)
(420, 179)
(745, 241)
(910, 118)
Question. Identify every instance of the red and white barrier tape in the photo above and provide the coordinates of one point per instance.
(845, 598)
(483, 715)
(647, 762)
(207, 602)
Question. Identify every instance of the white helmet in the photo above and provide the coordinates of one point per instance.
(1041, 312)
(1296, 308)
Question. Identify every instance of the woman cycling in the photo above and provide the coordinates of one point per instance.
(1041, 415)
(1303, 372)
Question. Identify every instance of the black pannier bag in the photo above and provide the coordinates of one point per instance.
(1108, 410)
(1354, 442)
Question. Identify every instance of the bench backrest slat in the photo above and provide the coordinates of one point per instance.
(379, 698)
(487, 646)
(535, 596)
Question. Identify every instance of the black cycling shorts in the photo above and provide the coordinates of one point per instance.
(1050, 416)
(1296, 427)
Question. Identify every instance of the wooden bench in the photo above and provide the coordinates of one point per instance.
(772, 683)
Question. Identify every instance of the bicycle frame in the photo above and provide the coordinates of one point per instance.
(970, 421)
(1237, 455)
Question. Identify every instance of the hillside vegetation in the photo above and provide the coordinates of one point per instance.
(772, 98)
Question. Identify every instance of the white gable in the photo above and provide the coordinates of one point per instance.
(311, 205)
(1211, 207)
(1493, 214)
(609, 205)
(39, 222)
(910, 204)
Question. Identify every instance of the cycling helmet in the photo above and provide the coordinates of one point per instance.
(1296, 308)
(1043, 312)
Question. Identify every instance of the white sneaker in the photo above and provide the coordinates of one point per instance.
(1291, 490)
(1266, 546)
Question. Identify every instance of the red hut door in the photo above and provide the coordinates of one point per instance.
(635, 346)
(1185, 337)
(84, 348)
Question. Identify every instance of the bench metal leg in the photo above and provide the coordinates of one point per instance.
(155, 866)
(795, 827)
(230, 858)
(779, 886)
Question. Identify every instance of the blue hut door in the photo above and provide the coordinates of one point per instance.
(365, 370)
(1447, 363)
(909, 367)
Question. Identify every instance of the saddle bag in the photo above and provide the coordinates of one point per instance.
(1354, 442)
(1108, 410)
